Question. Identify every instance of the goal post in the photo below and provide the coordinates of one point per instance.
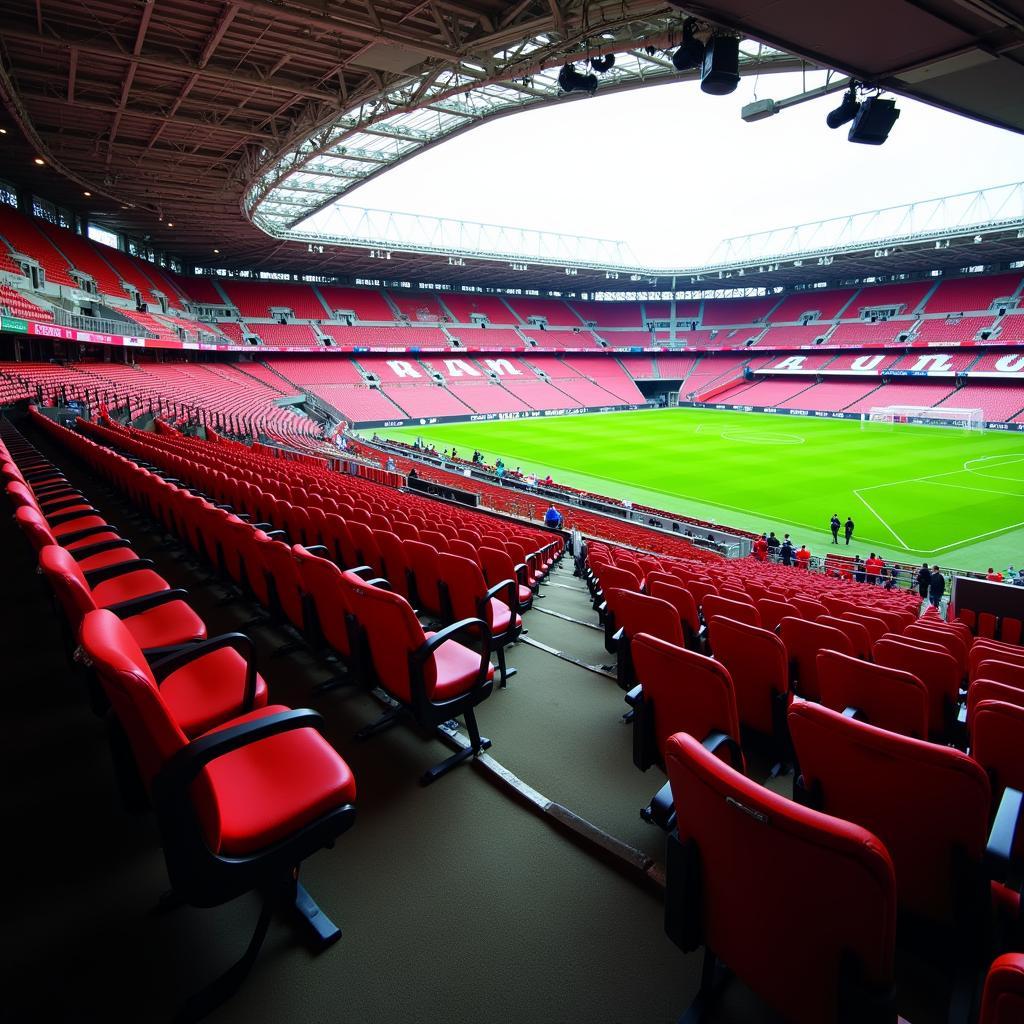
(924, 416)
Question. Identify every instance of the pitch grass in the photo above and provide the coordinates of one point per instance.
(914, 493)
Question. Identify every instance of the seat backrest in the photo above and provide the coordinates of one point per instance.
(733, 594)
(407, 531)
(773, 612)
(1008, 672)
(886, 697)
(688, 692)
(679, 597)
(947, 639)
(740, 611)
(997, 739)
(987, 650)
(68, 582)
(464, 549)
(662, 577)
(875, 626)
(927, 803)
(339, 541)
(34, 526)
(1003, 999)
(279, 563)
(756, 660)
(393, 634)
(763, 864)
(1010, 629)
(639, 613)
(465, 586)
(857, 633)
(809, 608)
(437, 540)
(394, 560)
(612, 577)
(700, 589)
(320, 578)
(129, 684)
(426, 571)
(803, 640)
(935, 668)
(365, 541)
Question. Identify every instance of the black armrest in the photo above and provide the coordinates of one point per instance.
(189, 761)
(260, 526)
(635, 696)
(277, 533)
(225, 508)
(522, 574)
(512, 600)
(714, 740)
(450, 632)
(55, 489)
(238, 642)
(380, 583)
(362, 571)
(70, 538)
(999, 850)
(88, 550)
(70, 517)
(143, 604)
(318, 548)
(110, 572)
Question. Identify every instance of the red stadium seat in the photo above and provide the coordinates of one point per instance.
(803, 640)
(936, 669)
(773, 612)
(738, 611)
(682, 600)
(1003, 999)
(631, 613)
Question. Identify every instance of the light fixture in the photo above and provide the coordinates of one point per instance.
(720, 71)
(570, 80)
(170, 224)
(691, 49)
(3, 131)
(604, 64)
(846, 111)
(39, 161)
(874, 121)
(88, 195)
(216, 252)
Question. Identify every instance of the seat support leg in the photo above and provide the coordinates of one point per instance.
(477, 745)
(506, 673)
(712, 977)
(385, 721)
(324, 931)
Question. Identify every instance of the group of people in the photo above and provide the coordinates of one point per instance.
(1014, 576)
(835, 525)
(768, 546)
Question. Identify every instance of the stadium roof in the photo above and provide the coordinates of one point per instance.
(186, 112)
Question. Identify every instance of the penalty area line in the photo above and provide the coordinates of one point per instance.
(899, 539)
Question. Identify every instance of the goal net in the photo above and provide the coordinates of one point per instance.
(924, 416)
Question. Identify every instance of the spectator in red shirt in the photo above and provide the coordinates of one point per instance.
(995, 577)
(803, 557)
(873, 567)
(761, 548)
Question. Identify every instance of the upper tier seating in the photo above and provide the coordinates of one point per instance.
(202, 291)
(1012, 327)
(463, 306)
(560, 339)
(290, 335)
(905, 297)
(556, 312)
(87, 258)
(257, 298)
(386, 337)
(736, 311)
(827, 303)
(937, 362)
(860, 333)
(25, 236)
(489, 337)
(608, 314)
(625, 339)
(1000, 360)
(793, 335)
(134, 272)
(961, 328)
(368, 304)
(419, 307)
(971, 294)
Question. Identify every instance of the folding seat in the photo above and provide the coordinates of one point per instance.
(968, 618)
(896, 621)
(426, 576)
(679, 691)
(997, 739)
(809, 608)
(69, 519)
(239, 807)
(988, 650)
(856, 632)
(92, 549)
(759, 667)
(465, 594)
(631, 613)
(732, 594)
(407, 531)
(394, 562)
(156, 615)
(431, 675)
(660, 576)
(936, 669)
(700, 589)
(682, 600)
(803, 640)
(1011, 673)
(987, 625)
(952, 643)
(887, 697)
(366, 551)
(739, 611)
(800, 905)
(463, 549)
(288, 601)
(772, 612)
(498, 566)
(521, 554)
(1003, 999)
(380, 522)
(438, 541)
(612, 576)
(929, 805)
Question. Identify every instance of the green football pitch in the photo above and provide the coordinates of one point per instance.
(914, 493)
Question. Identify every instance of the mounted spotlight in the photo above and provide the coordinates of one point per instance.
(603, 64)
(570, 80)
(720, 72)
(874, 121)
(691, 50)
(846, 111)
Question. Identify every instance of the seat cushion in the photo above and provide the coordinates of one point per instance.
(208, 691)
(129, 586)
(501, 617)
(166, 625)
(457, 669)
(525, 594)
(94, 538)
(265, 791)
(115, 556)
(82, 523)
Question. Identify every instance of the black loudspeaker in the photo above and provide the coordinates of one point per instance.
(874, 121)
(720, 72)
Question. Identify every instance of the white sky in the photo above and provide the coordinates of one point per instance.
(671, 171)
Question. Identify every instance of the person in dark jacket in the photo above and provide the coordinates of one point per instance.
(936, 587)
(786, 550)
(848, 529)
(858, 569)
(924, 579)
(834, 527)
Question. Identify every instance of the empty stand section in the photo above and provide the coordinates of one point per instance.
(953, 329)
(418, 307)
(608, 314)
(487, 337)
(293, 335)
(368, 304)
(18, 304)
(554, 311)
(825, 304)
(464, 307)
(904, 297)
(258, 298)
(867, 333)
(202, 291)
(973, 294)
(736, 311)
(86, 258)
(25, 237)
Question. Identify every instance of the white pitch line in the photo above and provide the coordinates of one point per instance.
(981, 490)
(980, 536)
(899, 539)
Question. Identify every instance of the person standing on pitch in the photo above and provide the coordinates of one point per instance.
(834, 527)
(936, 587)
(924, 578)
(848, 530)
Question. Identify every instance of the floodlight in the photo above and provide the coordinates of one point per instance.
(720, 72)
(603, 64)
(846, 111)
(874, 121)
(570, 80)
